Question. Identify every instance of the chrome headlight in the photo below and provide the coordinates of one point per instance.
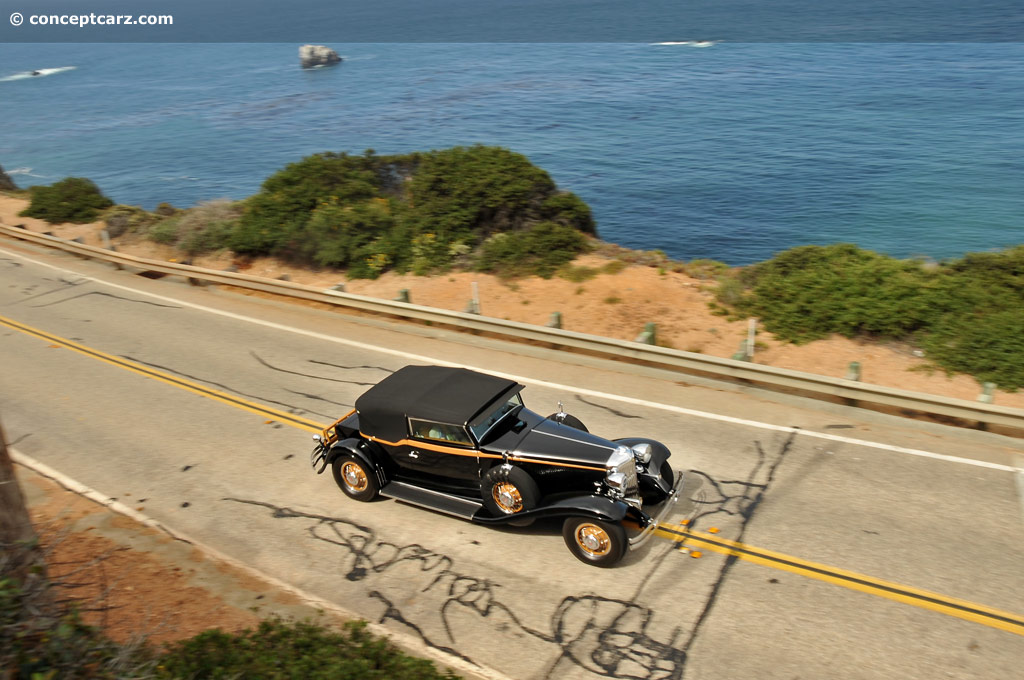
(643, 452)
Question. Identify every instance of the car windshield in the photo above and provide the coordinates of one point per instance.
(488, 422)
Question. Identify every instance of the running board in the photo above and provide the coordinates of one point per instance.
(434, 500)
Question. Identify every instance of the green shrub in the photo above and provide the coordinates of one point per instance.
(540, 250)
(279, 650)
(968, 314)
(207, 227)
(123, 219)
(809, 292)
(165, 232)
(418, 212)
(73, 199)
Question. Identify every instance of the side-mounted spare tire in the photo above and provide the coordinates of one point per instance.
(508, 490)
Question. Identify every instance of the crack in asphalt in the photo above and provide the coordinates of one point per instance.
(747, 513)
(317, 397)
(349, 368)
(291, 407)
(110, 295)
(267, 364)
(67, 284)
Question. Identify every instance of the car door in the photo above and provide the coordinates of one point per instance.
(441, 451)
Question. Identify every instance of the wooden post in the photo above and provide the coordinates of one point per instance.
(23, 556)
(751, 330)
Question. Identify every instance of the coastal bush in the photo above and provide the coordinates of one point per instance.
(806, 293)
(43, 637)
(541, 250)
(208, 227)
(967, 314)
(73, 199)
(277, 649)
(418, 212)
(123, 219)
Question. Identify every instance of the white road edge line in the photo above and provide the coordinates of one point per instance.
(541, 383)
(1020, 483)
(407, 642)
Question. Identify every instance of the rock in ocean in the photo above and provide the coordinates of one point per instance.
(6, 184)
(317, 55)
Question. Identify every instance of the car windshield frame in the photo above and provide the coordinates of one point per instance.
(484, 424)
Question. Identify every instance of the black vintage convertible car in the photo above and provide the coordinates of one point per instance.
(463, 443)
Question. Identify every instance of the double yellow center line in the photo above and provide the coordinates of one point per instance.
(943, 604)
(962, 609)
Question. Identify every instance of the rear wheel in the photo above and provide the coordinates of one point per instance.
(594, 541)
(355, 478)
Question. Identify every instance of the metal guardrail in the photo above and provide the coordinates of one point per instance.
(904, 402)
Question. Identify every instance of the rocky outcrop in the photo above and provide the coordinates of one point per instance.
(312, 56)
(6, 183)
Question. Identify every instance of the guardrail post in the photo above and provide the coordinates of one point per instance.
(853, 372)
(403, 295)
(743, 353)
(473, 307)
(649, 334)
(986, 395)
(555, 321)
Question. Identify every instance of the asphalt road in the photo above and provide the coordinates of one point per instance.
(863, 546)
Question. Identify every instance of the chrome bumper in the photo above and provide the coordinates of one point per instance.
(667, 506)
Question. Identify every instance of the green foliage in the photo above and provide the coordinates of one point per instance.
(540, 250)
(576, 274)
(420, 212)
(809, 292)
(73, 199)
(39, 641)
(208, 227)
(967, 314)
(123, 219)
(295, 650)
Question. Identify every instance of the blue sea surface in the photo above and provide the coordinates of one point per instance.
(731, 151)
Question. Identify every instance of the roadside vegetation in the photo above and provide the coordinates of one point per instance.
(43, 638)
(489, 209)
(966, 314)
(478, 208)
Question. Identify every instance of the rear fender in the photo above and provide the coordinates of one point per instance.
(357, 448)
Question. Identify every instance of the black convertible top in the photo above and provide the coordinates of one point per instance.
(438, 393)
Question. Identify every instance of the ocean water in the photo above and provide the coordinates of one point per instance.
(731, 151)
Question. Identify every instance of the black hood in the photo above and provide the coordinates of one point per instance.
(545, 439)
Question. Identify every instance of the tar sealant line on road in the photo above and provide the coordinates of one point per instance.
(407, 642)
(1020, 484)
(543, 383)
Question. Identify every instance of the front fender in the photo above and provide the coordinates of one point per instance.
(593, 506)
(356, 447)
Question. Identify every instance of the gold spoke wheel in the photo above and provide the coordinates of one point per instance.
(355, 478)
(593, 540)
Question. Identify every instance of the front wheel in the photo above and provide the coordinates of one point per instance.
(595, 542)
(355, 478)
